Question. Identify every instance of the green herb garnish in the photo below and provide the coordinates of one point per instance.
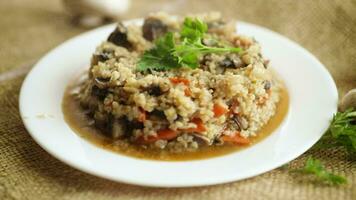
(168, 53)
(341, 132)
(160, 57)
(315, 167)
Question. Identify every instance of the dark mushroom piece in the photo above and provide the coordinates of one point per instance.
(215, 25)
(119, 36)
(232, 63)
(123, 127)
(235, 124)
(133, 125)
(104, 123)
(157, 115)
(267, 85)
(227, 62)
(153, 28)
(240, 122)
(201, 139)
(154, 90)
(99, 93)
(101, 57)
(121, 95)
(102, 82)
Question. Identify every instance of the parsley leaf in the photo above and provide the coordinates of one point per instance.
(315, 167)
(160, 57)
(191, 48)
(341, 132)
(167, 54)
(193, 29)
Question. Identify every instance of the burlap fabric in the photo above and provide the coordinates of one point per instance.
(29, 28)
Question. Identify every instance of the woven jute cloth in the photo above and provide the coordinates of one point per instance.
(29, 28)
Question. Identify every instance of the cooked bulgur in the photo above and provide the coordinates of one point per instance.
(228, 98)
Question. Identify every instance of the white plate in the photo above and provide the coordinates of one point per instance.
(313, 100)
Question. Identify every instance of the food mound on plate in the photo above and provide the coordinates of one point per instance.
(179, 83)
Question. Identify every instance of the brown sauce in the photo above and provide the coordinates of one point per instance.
(78, 122)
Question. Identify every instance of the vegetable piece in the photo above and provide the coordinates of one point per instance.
(167, 54)
(200, 126)
(165, 134)
(315, 167)
(153, 28)
(234, 105)
(142, 115)
(159, 57)
(119, 36)
(99, 93)
(240, 121)
(341, 132)
(227, 62)
(154, 90)
(267, 85)
(187, 92)
(102, 56)
(219, 110)
(177, 80)
(236, 139)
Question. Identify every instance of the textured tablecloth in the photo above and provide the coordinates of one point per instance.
(29, 28)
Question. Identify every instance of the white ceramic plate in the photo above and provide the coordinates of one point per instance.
(313, 100)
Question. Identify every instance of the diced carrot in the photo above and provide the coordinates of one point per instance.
(142, 115)
(165, 134)
(177, 80)
(236, 139)
(200, 126)
(187, 92)
(219, 110)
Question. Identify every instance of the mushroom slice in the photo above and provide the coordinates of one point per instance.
(119, 36)
(102, 82)
(201, 138)
(153, 28)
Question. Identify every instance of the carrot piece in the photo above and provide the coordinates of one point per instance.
(236, 139)
(200, 126)
(165, 134)
(142, 115)
(187, 92)
(219, 110)
(177, 80)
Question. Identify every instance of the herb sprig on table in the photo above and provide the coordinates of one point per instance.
(341, 133)
(169, 53)
(316, 168)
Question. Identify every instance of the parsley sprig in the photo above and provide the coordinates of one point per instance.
(341, 132)
(315, 167)
(168, 53)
